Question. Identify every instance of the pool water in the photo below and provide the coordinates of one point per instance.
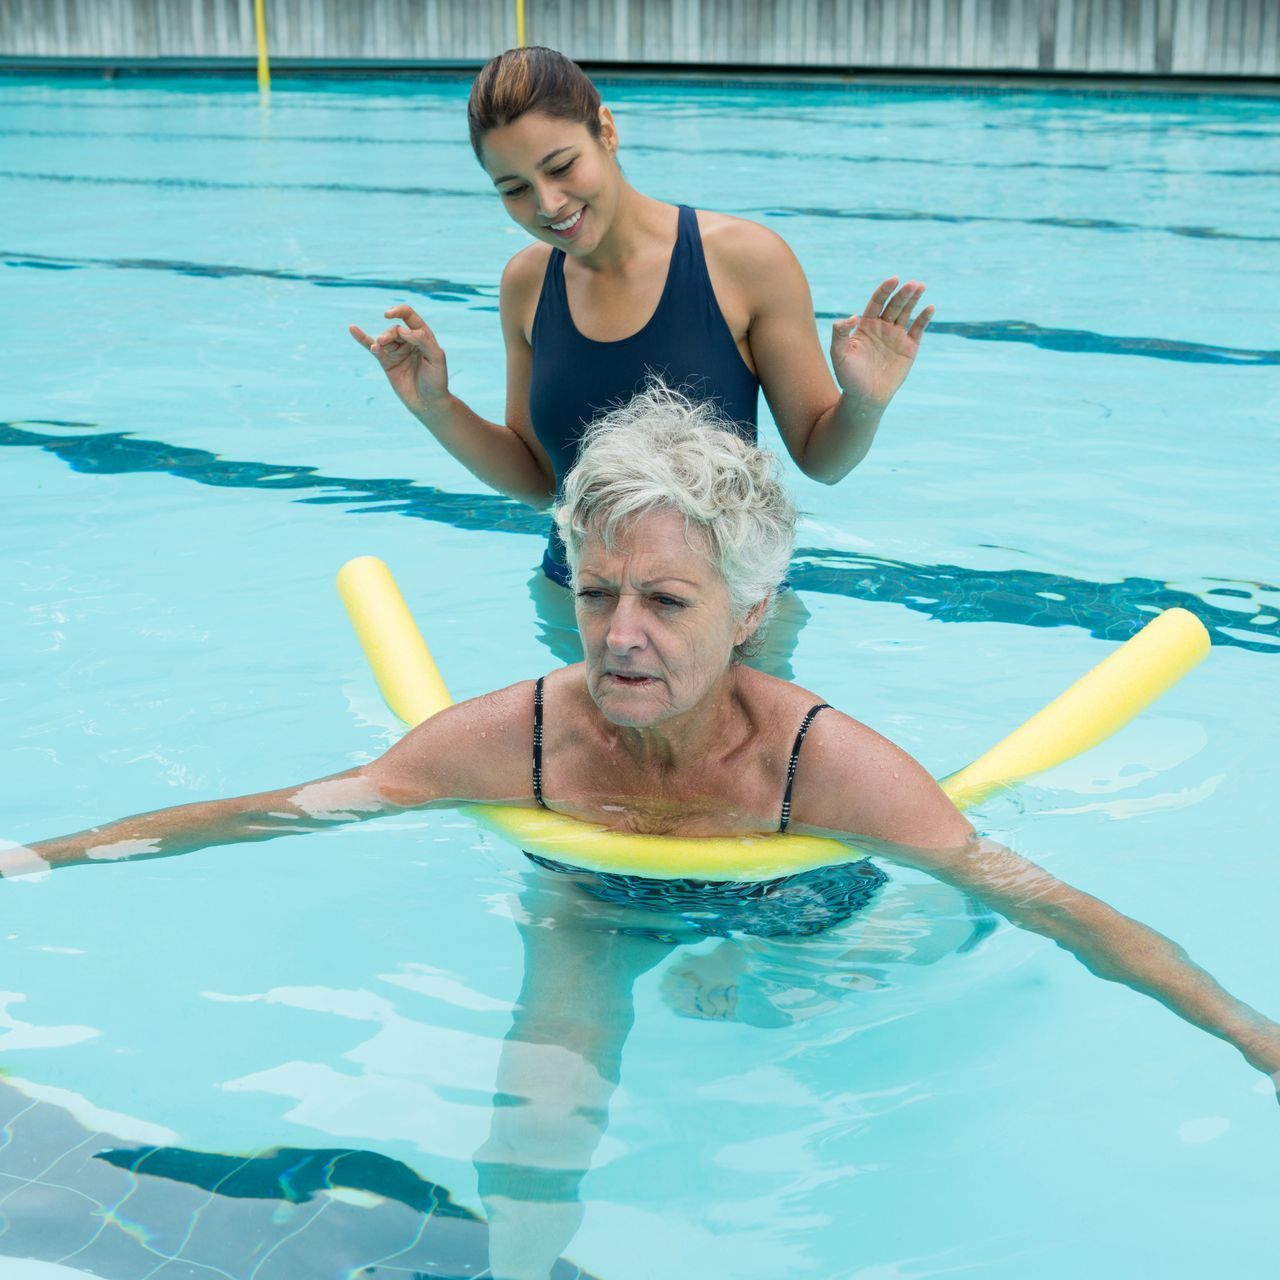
(287, 1053)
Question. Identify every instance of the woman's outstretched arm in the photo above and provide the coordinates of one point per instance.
(476, 750)
(1108, 943)
(313, 806)
(857, 783)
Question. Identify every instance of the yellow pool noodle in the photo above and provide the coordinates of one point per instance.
(1100, 702)
(1093, 708)
(407, 675)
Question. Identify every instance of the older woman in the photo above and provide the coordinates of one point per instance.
(676, 532)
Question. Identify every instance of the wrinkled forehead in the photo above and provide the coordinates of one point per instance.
(646, 546)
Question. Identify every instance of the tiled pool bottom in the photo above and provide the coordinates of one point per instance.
(79, 1200)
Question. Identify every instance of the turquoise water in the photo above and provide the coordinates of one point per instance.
(193, 445)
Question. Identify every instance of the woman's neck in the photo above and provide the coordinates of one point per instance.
(638, 222)
(714, 727)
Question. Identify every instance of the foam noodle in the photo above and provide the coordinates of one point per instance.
(1092, 709)
(402, 664)
(1100, 702)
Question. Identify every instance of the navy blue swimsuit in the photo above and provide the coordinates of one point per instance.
(686, 343)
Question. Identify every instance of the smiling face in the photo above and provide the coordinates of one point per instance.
(556, 181)
(657, 628)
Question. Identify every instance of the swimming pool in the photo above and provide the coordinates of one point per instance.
(307, 1032)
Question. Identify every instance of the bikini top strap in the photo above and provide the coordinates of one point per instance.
(537, 741)
(795, 760)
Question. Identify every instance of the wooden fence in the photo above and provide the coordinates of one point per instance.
(1221, 38)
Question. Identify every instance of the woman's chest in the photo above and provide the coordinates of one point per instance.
(709, 800)
(615, 307)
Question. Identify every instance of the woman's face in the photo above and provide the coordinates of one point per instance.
(657, 628)
(557, 181)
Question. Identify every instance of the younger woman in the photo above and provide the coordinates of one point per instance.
(618, 287)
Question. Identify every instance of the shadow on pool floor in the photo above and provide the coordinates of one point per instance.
(96, 1202)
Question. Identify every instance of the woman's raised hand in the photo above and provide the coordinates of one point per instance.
(410, 356)
(872, 354)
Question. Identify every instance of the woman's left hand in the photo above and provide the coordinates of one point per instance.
(873, 353)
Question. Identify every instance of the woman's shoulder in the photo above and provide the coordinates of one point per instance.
(853, 779)
(780, 704)
(525, 269)
(734, 241)
(486, 724)
(566, 690)
(755, 263)
(522, 287)
(477, 749)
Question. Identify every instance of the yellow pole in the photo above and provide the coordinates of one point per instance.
(520, 23)
(264, 67)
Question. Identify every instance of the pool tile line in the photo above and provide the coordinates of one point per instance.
(477, 297)
(1086, 342)
(438, 289)
(666, 148)
(1111, 611)
(154, 135)
(1058, 222)
(293, 1175)
(1077, 118)
(220, 184)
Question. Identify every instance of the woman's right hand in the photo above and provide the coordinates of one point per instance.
(411, 358)
(1260, 1044)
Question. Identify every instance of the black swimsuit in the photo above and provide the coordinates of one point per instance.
(789, 906)
(686, 342)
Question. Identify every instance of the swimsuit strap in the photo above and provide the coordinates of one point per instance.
(795, 760)
(537, 741)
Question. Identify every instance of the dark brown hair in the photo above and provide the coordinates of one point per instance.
(530, 79)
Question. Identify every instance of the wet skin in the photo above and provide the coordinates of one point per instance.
(657, 628)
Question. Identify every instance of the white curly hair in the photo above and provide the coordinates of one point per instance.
(664, 452)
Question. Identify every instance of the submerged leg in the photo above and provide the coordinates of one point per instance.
(559, 1067)
(777, 980)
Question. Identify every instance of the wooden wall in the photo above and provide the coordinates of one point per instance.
(1139, 37)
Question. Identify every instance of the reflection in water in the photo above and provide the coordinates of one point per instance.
(777, 982)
